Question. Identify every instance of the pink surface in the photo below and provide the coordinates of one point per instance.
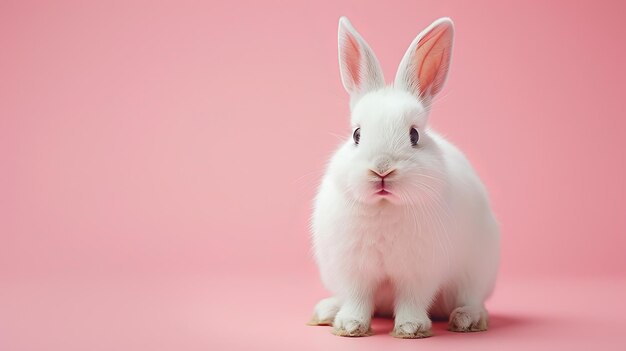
(157, 163)
(198, 313)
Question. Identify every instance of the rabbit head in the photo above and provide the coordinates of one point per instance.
(391, 154)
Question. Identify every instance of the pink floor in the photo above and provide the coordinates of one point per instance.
(236, 313)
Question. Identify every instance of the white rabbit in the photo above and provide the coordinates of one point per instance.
(401, 224)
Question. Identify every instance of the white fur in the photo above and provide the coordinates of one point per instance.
(429, 248)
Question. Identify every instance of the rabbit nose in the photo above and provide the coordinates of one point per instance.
(382, 167)
(384, 174)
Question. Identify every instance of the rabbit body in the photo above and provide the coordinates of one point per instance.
(401, 227)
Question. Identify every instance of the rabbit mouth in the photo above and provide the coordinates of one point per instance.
(381, 188)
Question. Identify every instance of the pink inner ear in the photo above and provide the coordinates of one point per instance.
(352, 58)
(432, 57)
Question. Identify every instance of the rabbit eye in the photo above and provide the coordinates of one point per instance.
(356, 135)
(415, 136)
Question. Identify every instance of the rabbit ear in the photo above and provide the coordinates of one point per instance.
(424, 67)
(360, 70)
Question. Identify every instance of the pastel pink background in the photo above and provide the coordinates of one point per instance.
(158, 161)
